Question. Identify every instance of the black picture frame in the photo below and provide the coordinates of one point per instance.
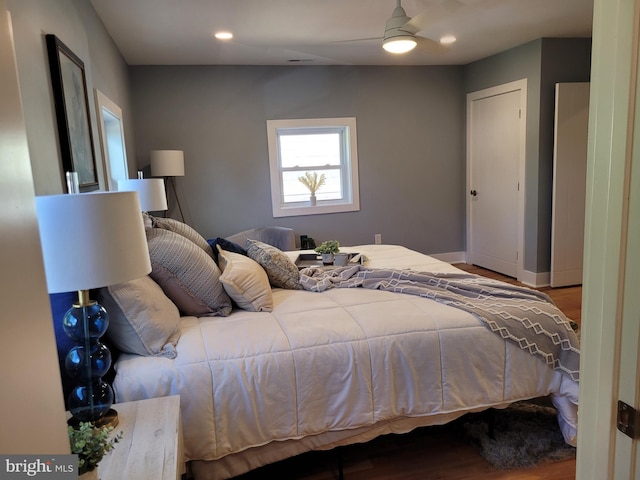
(72, 113)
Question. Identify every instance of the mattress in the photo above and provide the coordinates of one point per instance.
(329, 368)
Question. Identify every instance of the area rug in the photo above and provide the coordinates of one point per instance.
(522, 435)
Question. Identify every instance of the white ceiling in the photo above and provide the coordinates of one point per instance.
(320, 32)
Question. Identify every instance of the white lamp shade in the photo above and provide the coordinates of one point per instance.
(167, 163)
(92, 240)
(151, 192)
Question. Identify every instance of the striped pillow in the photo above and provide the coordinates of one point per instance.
(188, 276)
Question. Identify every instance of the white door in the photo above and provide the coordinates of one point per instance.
(609, 365)
(569, 183)
(495, 164)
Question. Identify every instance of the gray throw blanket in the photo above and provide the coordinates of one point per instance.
(521, 315)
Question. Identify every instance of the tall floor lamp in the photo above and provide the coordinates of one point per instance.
(168, 164)
(90, 240)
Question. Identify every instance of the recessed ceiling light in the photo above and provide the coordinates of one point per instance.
(448, 40)
(223, 35)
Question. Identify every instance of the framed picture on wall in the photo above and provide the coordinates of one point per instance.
(72, 113)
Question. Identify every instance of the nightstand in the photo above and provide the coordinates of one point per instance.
(151, 446)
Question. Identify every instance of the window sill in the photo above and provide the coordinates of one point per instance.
(315, 210)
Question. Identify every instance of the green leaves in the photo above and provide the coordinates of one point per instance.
(91, 443)
(330, 246)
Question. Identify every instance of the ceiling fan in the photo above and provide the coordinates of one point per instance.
(400, 30)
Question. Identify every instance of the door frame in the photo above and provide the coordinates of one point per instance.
(610, 334)
(517, 85)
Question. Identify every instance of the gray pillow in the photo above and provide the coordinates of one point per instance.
(142, 320)
(188, 276)
(185, 230)
(282, 272)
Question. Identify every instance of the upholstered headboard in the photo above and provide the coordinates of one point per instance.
(283, 238)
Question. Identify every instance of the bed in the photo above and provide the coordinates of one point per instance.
(316, 370)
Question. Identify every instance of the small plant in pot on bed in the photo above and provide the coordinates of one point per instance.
(327, 249)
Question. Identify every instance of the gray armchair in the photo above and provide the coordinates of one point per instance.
(283, 238)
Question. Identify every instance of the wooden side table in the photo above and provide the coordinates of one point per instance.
(151, 446)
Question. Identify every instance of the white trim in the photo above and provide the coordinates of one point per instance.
(602, 451)
(535, 280)
(518, 85)
(350, 204)
(114, 169)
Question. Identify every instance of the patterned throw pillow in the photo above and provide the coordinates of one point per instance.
(282, 272)
(245, 282)
(188, 276)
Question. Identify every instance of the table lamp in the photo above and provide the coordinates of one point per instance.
(90, 240)
(168, 164)
(151, 192)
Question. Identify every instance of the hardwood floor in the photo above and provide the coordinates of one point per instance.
(433, 453)
(568, 299)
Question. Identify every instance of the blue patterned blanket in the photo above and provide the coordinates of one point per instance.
(521, 315)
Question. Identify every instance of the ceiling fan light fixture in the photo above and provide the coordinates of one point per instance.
(399, 44)
(396, 38)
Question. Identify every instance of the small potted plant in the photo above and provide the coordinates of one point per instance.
(313, 183)
(90, 443)
(327, 249)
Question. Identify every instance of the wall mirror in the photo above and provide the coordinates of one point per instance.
(111, 129)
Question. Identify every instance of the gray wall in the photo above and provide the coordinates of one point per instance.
(410, 124)
(76, 24)
(543, 63)
(34, 420)
(34, 397)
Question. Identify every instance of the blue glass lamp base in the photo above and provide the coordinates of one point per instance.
(87, 362)
(109, 419)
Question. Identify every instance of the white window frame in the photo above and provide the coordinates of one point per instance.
(351, 202)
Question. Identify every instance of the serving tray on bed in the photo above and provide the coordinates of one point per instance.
(306, 260)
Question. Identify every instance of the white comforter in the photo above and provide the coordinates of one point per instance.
(344, 359)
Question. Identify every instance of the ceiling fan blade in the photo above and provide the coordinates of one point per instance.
(358, 40)
(428, 45)
(432, 15)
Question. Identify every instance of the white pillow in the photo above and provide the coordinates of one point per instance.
(245, 281)
(142, 319)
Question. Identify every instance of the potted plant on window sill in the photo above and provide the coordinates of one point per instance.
(90, 443)
(313, 183)
(327, 250)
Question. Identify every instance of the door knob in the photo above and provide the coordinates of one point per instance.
(474, 192)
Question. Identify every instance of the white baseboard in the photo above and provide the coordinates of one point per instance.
(531, 279)
(451, 257)
(535, 280)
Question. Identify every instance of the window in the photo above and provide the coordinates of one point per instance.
(325, 146)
